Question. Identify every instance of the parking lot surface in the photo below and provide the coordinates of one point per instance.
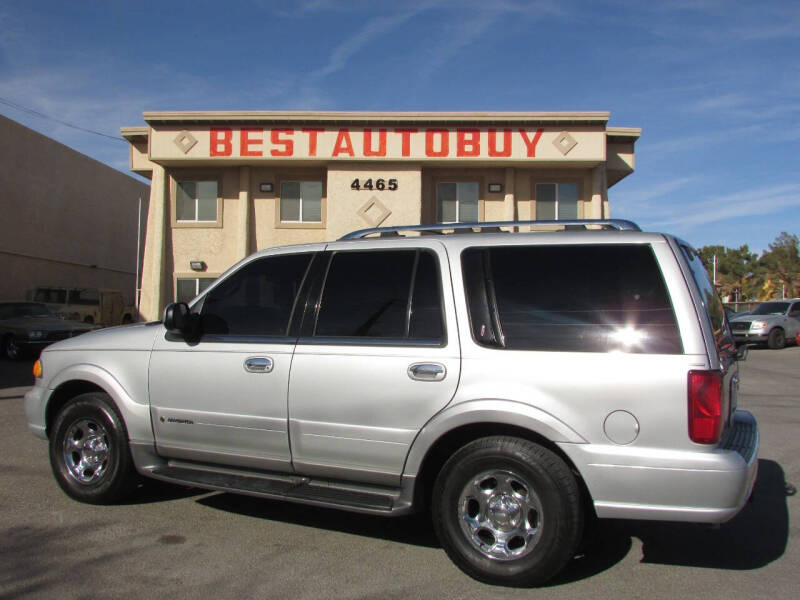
(173, 542)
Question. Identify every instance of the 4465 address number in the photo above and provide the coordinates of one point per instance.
(377, 184)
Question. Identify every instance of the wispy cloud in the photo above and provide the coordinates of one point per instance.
(657, 150)
(640, 199)
(747, 203)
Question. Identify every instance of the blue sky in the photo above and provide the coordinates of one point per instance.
(714, 84)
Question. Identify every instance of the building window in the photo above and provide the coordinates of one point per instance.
(196, 201)
(556, 201)
(301, 202)
(457, 202)
(189, 287)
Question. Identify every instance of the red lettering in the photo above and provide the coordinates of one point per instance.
(277, 140)
(530, 144)
(468, 142)
(444, 142)
(343, 143)
(368, 151)
(312, 140)
(406, 140)
(245, 141)
(506, 151)
(221, 142)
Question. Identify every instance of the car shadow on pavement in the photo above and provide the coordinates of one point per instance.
(412, 529)
(754, 538)
(152, 490)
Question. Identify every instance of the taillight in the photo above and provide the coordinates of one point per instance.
(705, 406)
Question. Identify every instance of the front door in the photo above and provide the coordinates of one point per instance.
(222, 397)
(377, 358)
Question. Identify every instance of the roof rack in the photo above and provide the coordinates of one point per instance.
(493, 227)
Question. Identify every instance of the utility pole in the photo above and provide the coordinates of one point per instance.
(714, 262)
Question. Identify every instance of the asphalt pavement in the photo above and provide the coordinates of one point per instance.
(173, 542)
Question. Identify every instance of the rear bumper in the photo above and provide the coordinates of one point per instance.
(703, 487)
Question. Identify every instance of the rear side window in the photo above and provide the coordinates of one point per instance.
(722, 335)
(257, 300)
(589, 298)
(382, 294)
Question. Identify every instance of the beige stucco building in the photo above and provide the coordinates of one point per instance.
(67, 220)
(227, 183)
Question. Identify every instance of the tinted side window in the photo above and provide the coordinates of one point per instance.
(722, 334)
(425, 321)
(592, 298)
(389, 294)
(257, 300)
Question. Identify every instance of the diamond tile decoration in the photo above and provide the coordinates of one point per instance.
(374, 212)
(185, 141)
(564, 142)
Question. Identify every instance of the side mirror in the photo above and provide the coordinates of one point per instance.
(176, 318)
(742, 352)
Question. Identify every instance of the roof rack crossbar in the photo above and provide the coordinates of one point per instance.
(494, 226)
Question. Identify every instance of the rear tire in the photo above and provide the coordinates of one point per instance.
(89, 451)
(507, 511)
(776, 339)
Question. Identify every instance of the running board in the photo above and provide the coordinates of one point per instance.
(334, 494)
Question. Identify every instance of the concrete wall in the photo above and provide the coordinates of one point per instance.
(66, 218)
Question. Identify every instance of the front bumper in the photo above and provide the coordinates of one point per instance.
(748, 336)
(34, 409)
(703, 486)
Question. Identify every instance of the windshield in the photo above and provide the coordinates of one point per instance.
(24, 309)
(771, 308)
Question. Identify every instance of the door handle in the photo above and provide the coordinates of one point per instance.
(427, 372)
(258, 364)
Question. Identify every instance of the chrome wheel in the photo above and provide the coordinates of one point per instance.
(86, 451)
(500, 514)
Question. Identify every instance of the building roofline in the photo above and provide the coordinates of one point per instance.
(133, 133)
(624, 134)
(599, 117)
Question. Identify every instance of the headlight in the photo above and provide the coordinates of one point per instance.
(35, 335)
(758, 324)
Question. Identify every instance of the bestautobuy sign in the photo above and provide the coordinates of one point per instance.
(253, 143)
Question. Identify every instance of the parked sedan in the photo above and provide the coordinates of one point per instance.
(30, 326)
(772, 323)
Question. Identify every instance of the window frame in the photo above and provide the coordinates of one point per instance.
(456, 182)
(557, 179)
(300, 177)
(197, 277)
(194, 176)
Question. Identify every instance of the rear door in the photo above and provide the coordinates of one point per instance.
(377, 358)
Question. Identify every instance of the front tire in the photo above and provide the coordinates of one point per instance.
(507, 511)
(776, 339)
(89, 451)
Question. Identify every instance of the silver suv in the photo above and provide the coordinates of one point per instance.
(514, 384)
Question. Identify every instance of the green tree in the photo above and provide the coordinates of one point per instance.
(781, 267)
(737, 270)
